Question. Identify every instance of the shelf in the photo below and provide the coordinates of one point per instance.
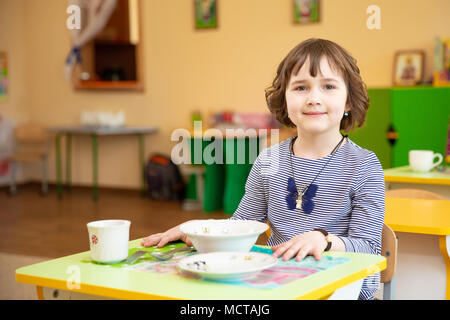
(109, 85)
(415, 87)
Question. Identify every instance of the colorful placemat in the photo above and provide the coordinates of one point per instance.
(146, 259)
(283, 273)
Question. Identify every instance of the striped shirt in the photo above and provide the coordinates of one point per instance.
(349, 202)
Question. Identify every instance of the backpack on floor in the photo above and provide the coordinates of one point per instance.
(164, 179)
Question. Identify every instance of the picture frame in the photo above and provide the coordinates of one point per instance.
(408, 67)
(205, 14)
(4, 85)
(441, 73)
(306, 11)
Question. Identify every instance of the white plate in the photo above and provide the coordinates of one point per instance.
(227, 266)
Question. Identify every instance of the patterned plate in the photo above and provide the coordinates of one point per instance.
(227, 266)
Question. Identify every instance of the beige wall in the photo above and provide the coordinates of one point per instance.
(186, 69)
(12, 41)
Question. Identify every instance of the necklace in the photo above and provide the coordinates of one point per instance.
(303, 200)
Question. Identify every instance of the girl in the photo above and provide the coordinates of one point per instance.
(318, 191)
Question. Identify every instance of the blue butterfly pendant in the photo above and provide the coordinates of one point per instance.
(293, 201)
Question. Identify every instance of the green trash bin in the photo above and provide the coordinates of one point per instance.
(225, 179)
(191, 188)
(214, 174)
(240, 154)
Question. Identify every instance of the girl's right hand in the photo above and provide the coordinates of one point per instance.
(161, 239)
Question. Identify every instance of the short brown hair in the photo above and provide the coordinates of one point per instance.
(340, 60)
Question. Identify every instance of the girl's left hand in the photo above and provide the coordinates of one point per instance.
(309, 243)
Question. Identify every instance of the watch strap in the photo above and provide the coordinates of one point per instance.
(327, 237)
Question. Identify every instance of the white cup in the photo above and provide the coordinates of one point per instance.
(108, 240)
(423, 160)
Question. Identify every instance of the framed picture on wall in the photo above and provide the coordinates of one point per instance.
(441, 74)
(306, 11)
(205, 14)
(3, 76)
(408, 67)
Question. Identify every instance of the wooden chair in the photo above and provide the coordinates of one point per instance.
(389, 244)
(32, 146)
(268, 231)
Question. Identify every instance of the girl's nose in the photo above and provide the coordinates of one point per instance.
(313, 102)
(313, 98)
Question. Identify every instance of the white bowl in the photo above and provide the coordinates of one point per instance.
(223, 235)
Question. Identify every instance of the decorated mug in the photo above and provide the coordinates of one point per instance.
(108, 240)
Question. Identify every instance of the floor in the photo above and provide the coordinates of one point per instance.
(10, 289)
(36, 228)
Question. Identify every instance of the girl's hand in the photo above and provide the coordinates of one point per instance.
(161, 239)
(309, 243)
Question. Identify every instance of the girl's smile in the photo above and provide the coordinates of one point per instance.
(314, 114)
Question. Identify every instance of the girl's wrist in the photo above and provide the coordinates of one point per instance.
(326, 237)
(336, 243)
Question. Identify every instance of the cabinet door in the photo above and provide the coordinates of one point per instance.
(372, 135)
(421, 117)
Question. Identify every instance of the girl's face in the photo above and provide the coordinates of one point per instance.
(316, 104)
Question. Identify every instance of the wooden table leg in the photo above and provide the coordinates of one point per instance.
(95, 166)
(58, 165)
(444, 245)
(40, 293)
(142, 162)
(68, 162)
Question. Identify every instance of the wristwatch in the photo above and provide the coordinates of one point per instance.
(327, 237)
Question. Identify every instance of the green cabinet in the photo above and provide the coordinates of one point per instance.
(419, 115)
(372, 135)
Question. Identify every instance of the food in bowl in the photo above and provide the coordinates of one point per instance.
(215, 235)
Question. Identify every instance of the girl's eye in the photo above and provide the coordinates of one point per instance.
(329, 86)
(301, 88)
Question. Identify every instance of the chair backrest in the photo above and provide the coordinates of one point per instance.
(268, 231)
(31, 133)
(389, 251)
(414, 193)
(31, 138)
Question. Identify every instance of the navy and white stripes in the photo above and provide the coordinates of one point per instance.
(349, 202)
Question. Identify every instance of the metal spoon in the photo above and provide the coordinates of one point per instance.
(157, 255)
(169, 254)
(131, 259)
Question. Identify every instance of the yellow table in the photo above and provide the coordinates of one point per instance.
(106, 281)
(404, 177)
(430, 217)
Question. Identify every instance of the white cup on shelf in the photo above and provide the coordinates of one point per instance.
(424, 160)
